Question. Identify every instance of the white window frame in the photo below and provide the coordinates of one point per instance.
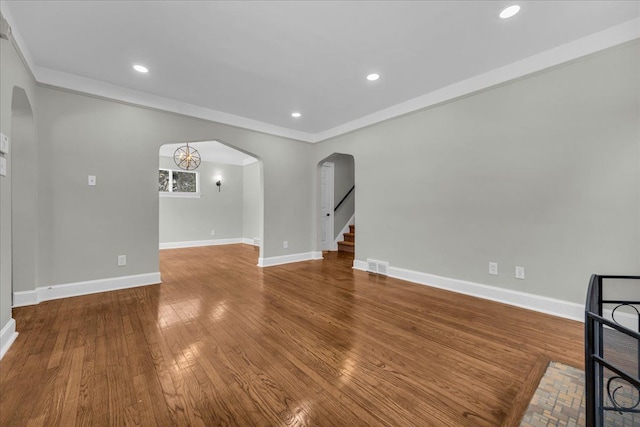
(176, 194)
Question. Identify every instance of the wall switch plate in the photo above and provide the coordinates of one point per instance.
(3, 166)
(122, 260)
(92, 180)
(285, 244)
(493, 268)
(519, 272)
(4, 144)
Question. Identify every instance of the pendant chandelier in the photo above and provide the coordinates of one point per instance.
(186, 157)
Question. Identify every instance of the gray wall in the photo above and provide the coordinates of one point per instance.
(89, 226)
(193, 219)
(542, 173)
(24, 190)
(252, 201)
(13, 74)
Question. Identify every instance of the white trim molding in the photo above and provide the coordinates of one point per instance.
(68, 290)
(592, 43)
(169, 194)
(198, 243)
(555, 307)
(287, 259)
(89, 86)
(8, 335)
(253, 242)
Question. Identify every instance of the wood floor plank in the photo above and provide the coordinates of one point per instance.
(72, 389)
(224, 342)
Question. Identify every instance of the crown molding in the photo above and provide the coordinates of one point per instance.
(18, 41)
(50, 77)
(593, 43)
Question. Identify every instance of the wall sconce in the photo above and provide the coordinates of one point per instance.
(218, 179)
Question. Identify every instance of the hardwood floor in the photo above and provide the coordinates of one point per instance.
(223, 342)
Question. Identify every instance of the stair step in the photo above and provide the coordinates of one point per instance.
(346, 247)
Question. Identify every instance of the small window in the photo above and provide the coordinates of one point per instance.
(173, 183)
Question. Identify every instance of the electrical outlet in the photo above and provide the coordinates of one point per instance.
(285, 244)
(91, 180)
(493, 268)
(3, 166)
(122, 260)
(520, 273)
(213, 232)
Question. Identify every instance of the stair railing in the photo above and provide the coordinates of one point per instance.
(344, 198)
(612, 351)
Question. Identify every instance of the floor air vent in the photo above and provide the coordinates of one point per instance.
(377, 267)
(372, 266)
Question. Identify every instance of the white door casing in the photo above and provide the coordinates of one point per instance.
(326, 206)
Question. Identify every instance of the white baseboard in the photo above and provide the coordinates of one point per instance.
(253, 242)
(8, 335)
(68, 290)
(345, 229)
(555, 307)
(287, 259)
(21, 299)
(198, 243)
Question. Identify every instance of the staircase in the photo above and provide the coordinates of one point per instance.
(349, 243)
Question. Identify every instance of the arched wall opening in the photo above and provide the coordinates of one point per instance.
(24, 194)
(219, 202)
(337, 208)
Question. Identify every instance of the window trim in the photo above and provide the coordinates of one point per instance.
(180, 194)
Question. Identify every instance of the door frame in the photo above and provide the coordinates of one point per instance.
(327, 169)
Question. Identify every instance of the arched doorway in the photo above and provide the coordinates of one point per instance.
(24, 194)
(337, 201)
(219, 202)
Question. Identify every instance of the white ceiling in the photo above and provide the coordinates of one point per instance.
(212, 151)
(252, 63)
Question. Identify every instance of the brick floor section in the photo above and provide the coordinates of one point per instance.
(559, 401)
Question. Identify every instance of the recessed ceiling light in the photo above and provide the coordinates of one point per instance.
(510, 11)
(296, 114)
(373, 77)
(140, 68)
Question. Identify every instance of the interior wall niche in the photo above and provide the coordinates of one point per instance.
(24, 193)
